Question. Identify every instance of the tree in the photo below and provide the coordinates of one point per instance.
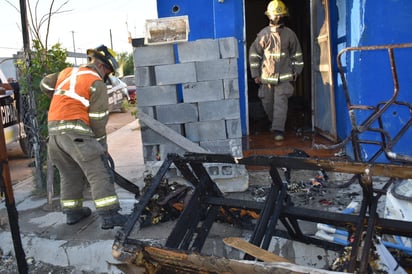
(126, 63)
(42, 62)
(37, 62)
(39, 21)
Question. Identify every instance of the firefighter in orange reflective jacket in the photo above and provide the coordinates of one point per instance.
(275, 60)
(77, 146)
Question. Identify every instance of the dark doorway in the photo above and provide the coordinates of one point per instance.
(299, 114)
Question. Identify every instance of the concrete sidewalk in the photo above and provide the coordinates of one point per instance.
(84, 246)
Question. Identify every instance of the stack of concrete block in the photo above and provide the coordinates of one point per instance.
(191, 88)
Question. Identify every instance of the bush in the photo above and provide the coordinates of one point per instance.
(36, 105)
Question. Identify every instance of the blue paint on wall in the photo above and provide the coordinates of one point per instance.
(368, 73)
(353, 23)
(213, 19)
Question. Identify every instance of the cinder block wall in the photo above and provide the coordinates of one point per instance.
(193, 89)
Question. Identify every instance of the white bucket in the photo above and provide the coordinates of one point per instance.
(398, 205)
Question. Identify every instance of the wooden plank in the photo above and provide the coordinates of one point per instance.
(170, 134)
(403, 171)
(253, 250)
(156, 259)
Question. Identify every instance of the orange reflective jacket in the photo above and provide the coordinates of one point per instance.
(72, 94)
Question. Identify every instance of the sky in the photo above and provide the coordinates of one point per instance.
(84, 24)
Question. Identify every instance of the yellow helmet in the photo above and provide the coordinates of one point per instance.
(276, 8)
(106, 55)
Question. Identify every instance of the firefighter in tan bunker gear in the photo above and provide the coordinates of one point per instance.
(77, 146)
(275, 60)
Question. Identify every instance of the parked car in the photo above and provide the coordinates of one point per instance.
(118, 95)
(131, 87)
(13, 116)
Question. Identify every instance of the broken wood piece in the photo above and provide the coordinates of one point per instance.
(156, 259)
(170, 134)
(253, 250)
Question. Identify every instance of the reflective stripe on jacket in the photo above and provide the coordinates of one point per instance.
(275, 55)
(68, 111)
(72, 94)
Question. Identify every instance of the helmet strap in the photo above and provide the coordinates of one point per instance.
(102, 68)
(279, 22)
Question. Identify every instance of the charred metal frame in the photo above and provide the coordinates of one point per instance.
(196, 220)
(386, 143)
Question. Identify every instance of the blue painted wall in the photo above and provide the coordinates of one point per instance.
(353, 23)
(368, 73)
(213, 19)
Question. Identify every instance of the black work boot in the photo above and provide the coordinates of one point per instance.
(111, 218)
(73, 216)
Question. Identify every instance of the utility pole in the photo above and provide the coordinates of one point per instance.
(111, 40)
(74, 49)
(30, 114)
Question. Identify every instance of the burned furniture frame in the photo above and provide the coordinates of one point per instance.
(373, 120)
(192, 227)
(373, 123)
(198, 216)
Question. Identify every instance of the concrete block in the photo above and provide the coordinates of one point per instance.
(177, 114)
(228, 47)
(175, 74)
(148, 110)
(152, 167)
(150, 137)
(156, 95)
(233, 128)
(145, 76)
(217, 69)
(227, 146)
(176, 127)
(228, 177)
(206, 131)
(221, 170)
(154, 55)
(219, 110)
(170, 134)
(151, 152)
(203, 91)
(167, 148)
(199, 50)
(231, 88)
